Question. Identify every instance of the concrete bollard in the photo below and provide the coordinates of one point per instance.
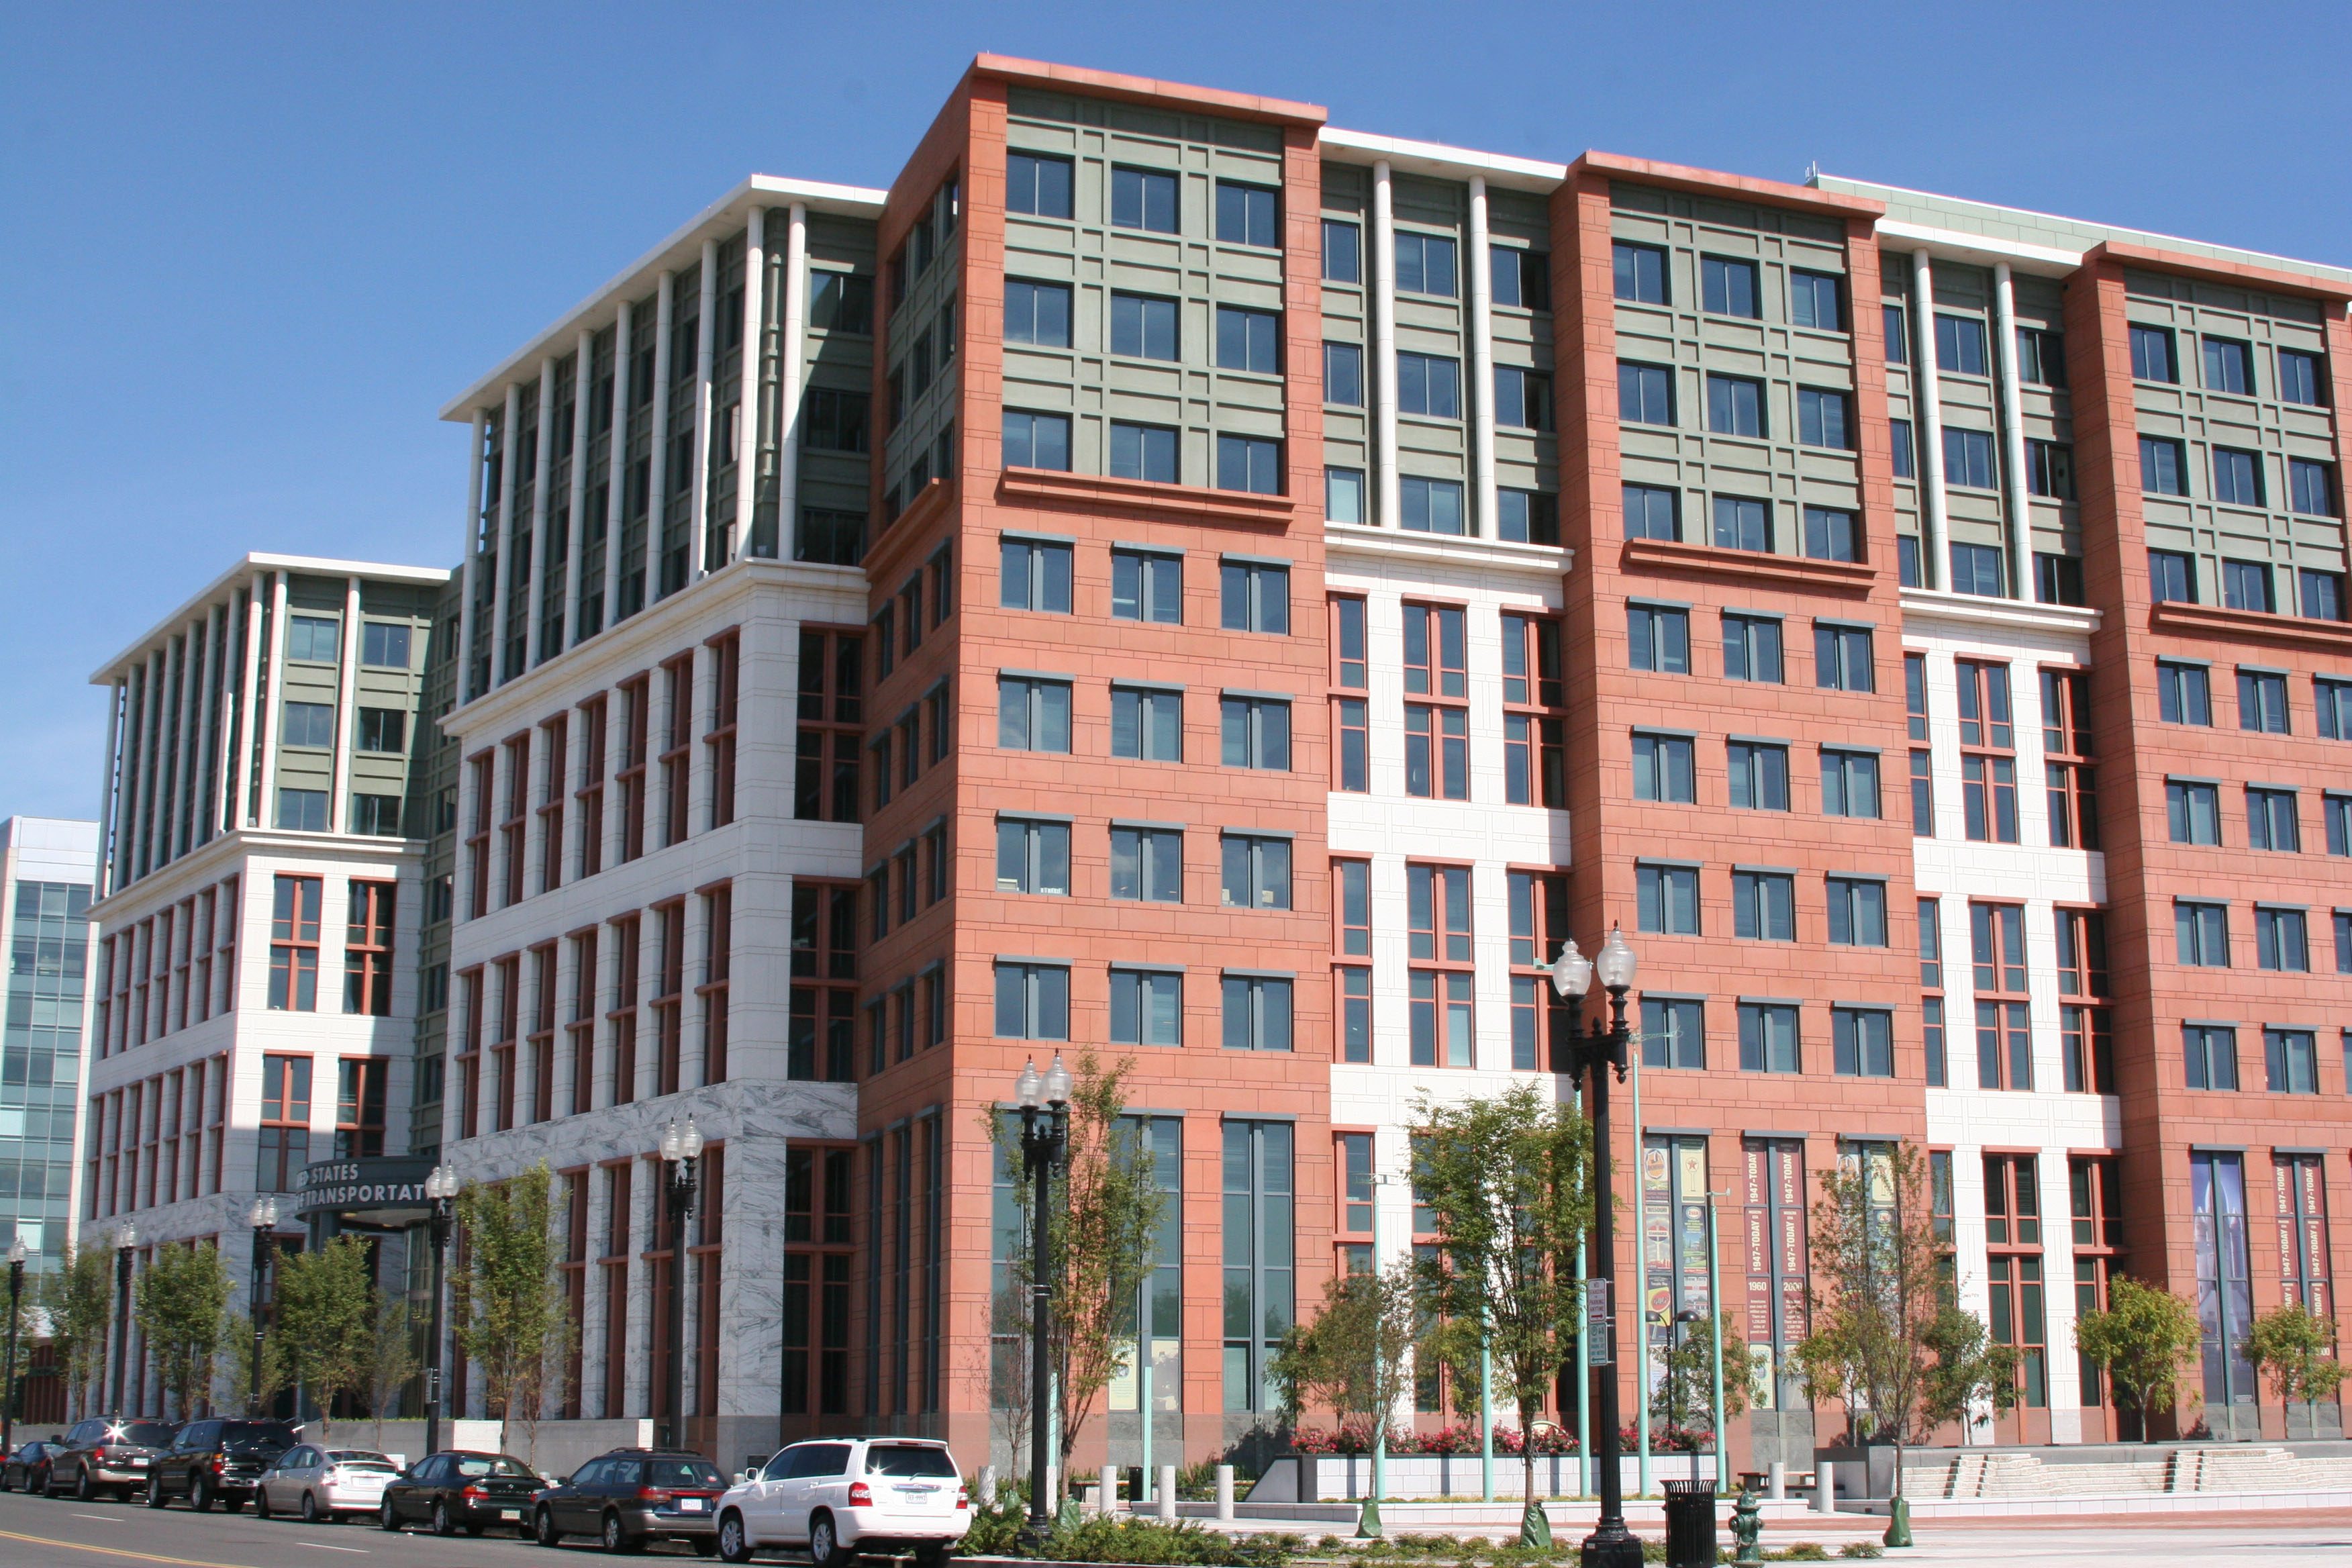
(1825, 1488)
(1224, 1492)
(1110, 1488)
(1775, 1484)
(1166, 1493)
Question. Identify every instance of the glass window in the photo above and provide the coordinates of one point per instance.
(1735, 406)
(2183, 693)
(308, 724)
(2151, 352)
(1829, 534)
(2041, 357)
(1258, 1014)
(1813, 300)
(1036, 186)
(2237, 478)
(1143, 452)
(1143, 326)
(2057, 579)
(1527, 516)
(1035, 440)
(1857, 913)
(1343, 252)
(1033, 715)
(1960, 345)
(1356, 1026)
(2301, 379)
(1436, 753)
(1424, 264)
(384, 645)
(1751, 648)
(1143, 198)
(1343, 495)
(1906, 449)
(839, 302)
(1032, 857)
(2172, 577)
(1146, 1007)
(2201, 933)
(1343, 374)
(2270, 821)
(1895, 325)
(2050, 469)
(1255, 596)
(2229, 366)
(1641, 271)
(1247, 215)
(1821, 419)
(1036, 313)
(2335, 814)
(2291, 1058)
(313, 640)
(2211, 1057)
(1245, 463)
(2262, 701)
(1255, 732)
(2282, 940)
(1146, 586)
(1861, 1042)
(1146, 864)
(1036, 576)
(1432, 506)
(1248, 341)
(1743, 523)
(1849, 784)
(2194, 810)
(1764, 906)
(1767, 1039)
(1257, 872)
(1429, 386)
(1147, 724)
(1646, 394)
(1663, 769)
(1727, 286)
(1652, 512)
(1522, 399)
(1968, 459)
(303, 810)
(2161, 471)
(1977, 569)
(1522, 279)
(1674, 1032)
(1667, 899)
(2311, 488)
(1658, 638)
(1033, 1002)
(1841, 659)
(1759, 775)
(2333, 700)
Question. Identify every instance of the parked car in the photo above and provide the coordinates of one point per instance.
(214, 1462)
(108, 1456)
(461, 1489)
(320, 1483)
(837, 1498)
(634, 1496)
(27, 1468)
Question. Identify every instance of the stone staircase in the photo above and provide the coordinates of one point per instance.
(2236, 1468)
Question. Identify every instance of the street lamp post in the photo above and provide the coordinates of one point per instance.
(680, 1151)
(1682, 1321)
(1045, 1140)
(1596, 1052)
(440, 1187)
(16, 1294)
(263, 1221)
(126, 1240)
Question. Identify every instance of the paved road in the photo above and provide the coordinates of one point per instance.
(59, 1532)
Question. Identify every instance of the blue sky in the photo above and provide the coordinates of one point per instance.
(250, 249)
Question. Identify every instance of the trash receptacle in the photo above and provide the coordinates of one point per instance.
(1690, 1524)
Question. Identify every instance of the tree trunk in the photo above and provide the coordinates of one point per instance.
(1528, 1453)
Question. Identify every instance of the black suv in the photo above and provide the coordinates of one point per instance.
(216, 1461)
(108, 1456)
(632, 1496)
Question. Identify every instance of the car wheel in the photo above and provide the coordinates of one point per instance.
(199, 1495)
(543, 1530)
(386, 1518)
(734, 1546)
(155, 1498)
(825, 1545)
(83, 1490)
(619, 1540)
(441, 1525)
(931, 1555)
(309, 1508)
(260, 1503)
(231, 1502)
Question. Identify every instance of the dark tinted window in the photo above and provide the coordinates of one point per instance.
(823, 1459)
(682, 1473)
(147, 1434)
(621, 1473)
(473, 1465)
(200, 1435)
(908, 1460)
(255, 1435)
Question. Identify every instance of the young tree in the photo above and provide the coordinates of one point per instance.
(506, 1304)
(276, 1377)
(2296, 1346)
(2144, 1340)
(79, 1302)
(181, 1303)
(1508, 1182)
(1968, 1370)
(326, 1318)
(391, 1362)
(1354, 1358)
(1102, 1218)
(1879, 1287)
(1686, 1392)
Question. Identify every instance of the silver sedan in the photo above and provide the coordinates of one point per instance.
(320, 1483)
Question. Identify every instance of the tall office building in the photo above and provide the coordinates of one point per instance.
(263, 910)
(1172, 579)
(47, 869)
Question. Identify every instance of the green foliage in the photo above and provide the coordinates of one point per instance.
(1102, 1217)
(1351, 1359)
(1686, 1393)
(2296, 1347)
(326, 1318)
(391, 1360)
(277, 1376)
(1861, 1549)
(996, 1533)
(2144, 1340)
(78, 1302)
(508, 1308)
(180, 1303)
(1968, 1369)
(1508, 1179)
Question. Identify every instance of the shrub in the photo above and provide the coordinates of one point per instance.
(1861, 1549)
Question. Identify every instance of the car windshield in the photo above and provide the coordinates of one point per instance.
(682, 1473)
(145, 1433)
(472, 1465)
(271, 1435)
(908, 1460)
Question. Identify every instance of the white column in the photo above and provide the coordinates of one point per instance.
(616, 737)
(183, 759)
(134, 750)
(1486, 516)
(2014, 500)
(214, 724)
(657, 742)
(575, 542)
(750, 382)
(657, 481)
(694, 931)
(152, 764)
(503, 593)
(1928, 409)
(247, 728)
(616, 466)
(537, 789)
(791, 345)
(272, 702)
(543, 449)
(347, 712)
(706, 341)
(108, 785)
(473, 548)
(1380, 273)
(567, 969)
(2062, 1368)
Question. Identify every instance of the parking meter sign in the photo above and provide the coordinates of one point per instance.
(1596, 1322)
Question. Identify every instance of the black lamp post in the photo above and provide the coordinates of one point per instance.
(126, 1240)
(1045, 1140)
(16, 1294)
(263, 1221)
(680, 1151)
(440, 1187)
(1595, 1052)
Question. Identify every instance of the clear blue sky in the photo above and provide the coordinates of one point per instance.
(250, 248)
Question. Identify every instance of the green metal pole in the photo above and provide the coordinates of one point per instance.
(1641, 1279)
(1143, 1403)
(1715, 1308)
(1486, 1424)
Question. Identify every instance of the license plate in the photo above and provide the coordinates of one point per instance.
(139, 1461)
(690, 1504)
(509, 1513)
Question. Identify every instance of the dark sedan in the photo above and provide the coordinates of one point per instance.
(27, 1468)
(462, 1489)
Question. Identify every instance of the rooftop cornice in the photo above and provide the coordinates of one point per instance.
(219, 589)
(1441, 162)
(2009, 614)
(1739, 187)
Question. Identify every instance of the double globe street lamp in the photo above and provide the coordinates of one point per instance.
(440, 1191)
(263, 1221)
(1044, 1143)
(16, 1317)
(126, 1242)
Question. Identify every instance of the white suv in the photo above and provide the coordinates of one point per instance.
(839, 1497)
